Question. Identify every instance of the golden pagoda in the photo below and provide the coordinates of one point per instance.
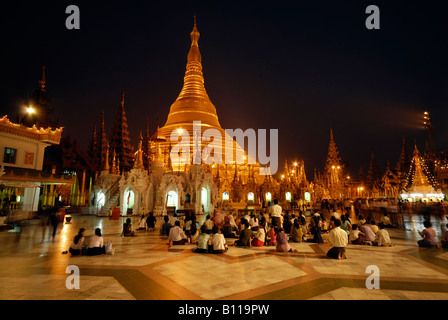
(193, 104)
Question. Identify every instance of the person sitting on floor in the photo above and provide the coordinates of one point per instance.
(374, 227)
(218, 241)
(127, 229)
(271, 236)
(259, 236)
(194, 231)
(203, 241)
(177, 235)
(142, 223)
(296, 234)
(382, 237)
(245, 235)
(429, 236)
(76, 248)
(315, 231)
(282, 242)
(323, 225)
(287, 224)
(166, 226)
(227, 229)
(338, 238)
(356, 236)
(369, 235)
(151, 222)
(386, 221)
(96, 244)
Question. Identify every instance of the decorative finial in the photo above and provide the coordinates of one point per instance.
(195, 33)
(42, 81)
(122, 98)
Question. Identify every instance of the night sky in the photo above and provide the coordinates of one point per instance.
(300, 67)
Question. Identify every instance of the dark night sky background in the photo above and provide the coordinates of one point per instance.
(299, 66)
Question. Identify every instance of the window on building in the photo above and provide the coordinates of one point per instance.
(225, 196)
(10, 155)
(250, 197)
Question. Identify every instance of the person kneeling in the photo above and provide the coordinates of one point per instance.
(338, 238)
(177, 235)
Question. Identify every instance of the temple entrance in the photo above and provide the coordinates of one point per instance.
(129, 198)
(101, 199)
(205, 202)
(172, 199)
(268, 197)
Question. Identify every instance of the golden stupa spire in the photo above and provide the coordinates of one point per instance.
(193, 103)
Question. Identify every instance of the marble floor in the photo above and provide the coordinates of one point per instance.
(32, 267)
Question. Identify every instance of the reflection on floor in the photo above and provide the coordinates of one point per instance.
(33, 267)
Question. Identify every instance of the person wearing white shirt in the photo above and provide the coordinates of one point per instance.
(96, 244)
(208, 224)
(276, 214)
(382, 237)
(218, 241)
(177, 235)
(338, 238)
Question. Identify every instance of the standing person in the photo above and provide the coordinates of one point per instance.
(177, 235)
(54, 220)
(96, 244)
(429, 236)
(338, 238)
(76, 248)
(276, 214)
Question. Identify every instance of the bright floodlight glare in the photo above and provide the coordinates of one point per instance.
(30, 110)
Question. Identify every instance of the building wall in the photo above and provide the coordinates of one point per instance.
(29, 154)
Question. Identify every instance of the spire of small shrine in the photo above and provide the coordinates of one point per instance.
(120, 140)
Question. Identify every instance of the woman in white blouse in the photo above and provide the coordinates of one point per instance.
(96, 245)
